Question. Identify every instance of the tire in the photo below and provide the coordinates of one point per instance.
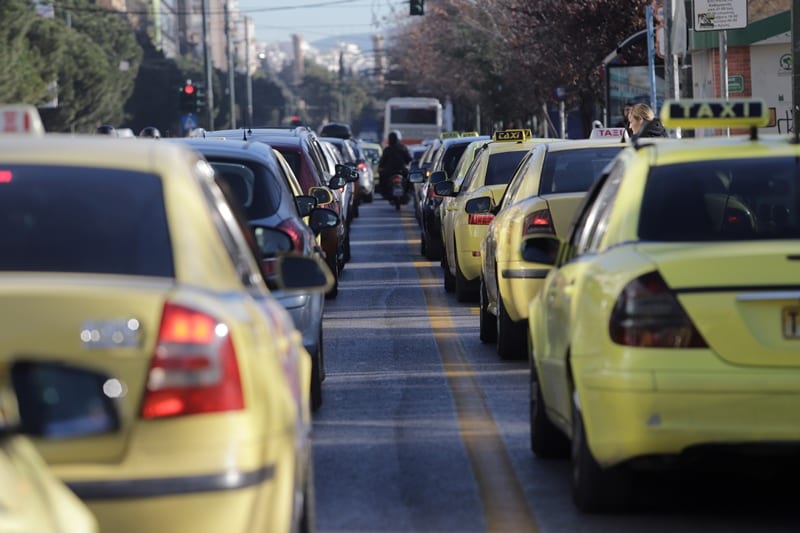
(369, 198)
(488, 323)
(308, 516)
(595, 489)
(422, 245)
(355, 210)
(511, 336)
(347, 248)
(316, 377)
(449, 279)
(465, 292)
(547, 442)
(334, 266)
(397, 205)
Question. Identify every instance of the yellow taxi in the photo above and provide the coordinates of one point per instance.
(667, 328)
(541, 197)
(126, 258)
(462, 233)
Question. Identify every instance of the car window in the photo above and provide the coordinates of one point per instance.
(501, 166)
(293, 158)
(86, 220)
(594, 224)
(732, 199)
(450, 158)
(520, 175)
(472, 171)
(574, 170)
(255, 186)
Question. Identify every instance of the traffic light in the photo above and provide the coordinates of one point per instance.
(200, 99)
(417, 7)
(188, 101)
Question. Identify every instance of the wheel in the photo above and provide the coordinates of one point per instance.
(465, 292)
(316, 377)
(511, 336)
(432, 250)
(355, 210)
(488, 324)
(547, 442)
(334, 266)
(594, 489)
(308, 518)
(422, 245)
(347, 247)
(449, 279)
(369, 198)
(397, 204)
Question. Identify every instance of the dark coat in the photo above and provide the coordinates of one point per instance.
(651, 128)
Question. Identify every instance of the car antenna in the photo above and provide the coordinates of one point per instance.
(244, 134)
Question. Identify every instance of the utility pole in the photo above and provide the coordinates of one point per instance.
(207, 65)
(229, 50)
(796, 71)
(249, 82)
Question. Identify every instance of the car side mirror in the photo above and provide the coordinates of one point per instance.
(416, 176)
(445, 188)
(322, 218)
(305, 204)
(541, 249)
(300, 273)
(271, 241)
(482, 204)
(337, 182)
(437, 177)
(323, 195)
(60, 401)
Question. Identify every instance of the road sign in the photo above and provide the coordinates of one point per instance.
(736, 83)
(712, 15)
(188, 122)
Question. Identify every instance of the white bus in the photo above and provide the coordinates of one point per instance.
(417, 119)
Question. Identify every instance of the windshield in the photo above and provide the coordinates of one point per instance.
(732, 199)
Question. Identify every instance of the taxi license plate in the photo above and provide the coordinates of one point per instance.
(791, 322)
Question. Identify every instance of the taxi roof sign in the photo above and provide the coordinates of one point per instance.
(469, 133)
(512, 135)
(449, 135)
(20, 119)
(715, 113)
(607, 133)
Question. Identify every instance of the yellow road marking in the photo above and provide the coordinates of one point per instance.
(505, 506)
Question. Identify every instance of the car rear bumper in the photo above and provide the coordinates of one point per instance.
(630, 414)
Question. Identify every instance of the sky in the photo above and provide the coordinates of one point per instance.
(277, 20)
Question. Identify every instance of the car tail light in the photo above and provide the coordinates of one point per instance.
(362, 166)
(647, 314)
(480, 219)
(295, 231)
(538, 222)
(194, 368)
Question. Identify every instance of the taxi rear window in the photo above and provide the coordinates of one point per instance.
(731, 199)
(574, 170)
(83, 220)
(501, 167)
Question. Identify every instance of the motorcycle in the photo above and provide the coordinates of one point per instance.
(399, 194)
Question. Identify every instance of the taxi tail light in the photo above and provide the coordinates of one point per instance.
(537, 223)
(194, 368)
(647, 314)
(294, 230)
(480, 219)
(362, 166)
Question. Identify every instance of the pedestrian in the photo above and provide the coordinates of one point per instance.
(644, 123)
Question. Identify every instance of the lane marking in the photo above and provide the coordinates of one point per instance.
(505, 507)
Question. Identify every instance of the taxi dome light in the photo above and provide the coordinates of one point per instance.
(715, 113)
(20, 119)
(512, 135)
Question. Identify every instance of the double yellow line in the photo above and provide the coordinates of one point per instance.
(505, 506)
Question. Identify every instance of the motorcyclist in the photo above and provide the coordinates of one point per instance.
(394, 160)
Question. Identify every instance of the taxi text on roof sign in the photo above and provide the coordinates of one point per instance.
(20, 118)
(513, 135)
(469, 133)
(714, 113)
(606, 133)
(449, 135)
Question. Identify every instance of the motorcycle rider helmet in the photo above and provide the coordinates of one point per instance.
(106, 129)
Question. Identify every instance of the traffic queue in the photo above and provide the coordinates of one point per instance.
(650, 283)
(158, 293)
